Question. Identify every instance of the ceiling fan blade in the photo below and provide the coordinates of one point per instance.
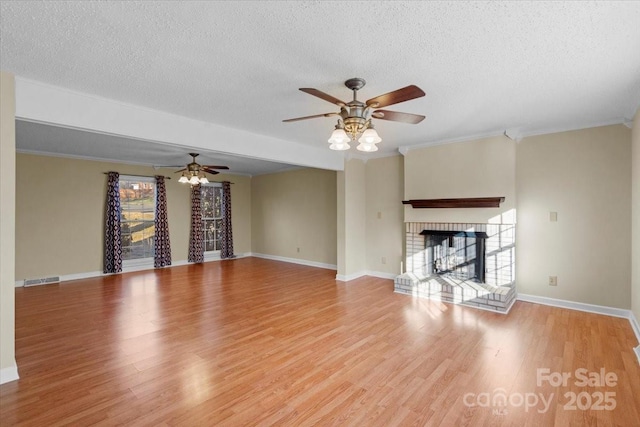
(214, 167)
(210, 171)
(181, 170)
(311, 117)
(396, 97)
(397, 117)
(322, 95)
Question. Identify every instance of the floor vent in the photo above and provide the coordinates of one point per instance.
(43, 281)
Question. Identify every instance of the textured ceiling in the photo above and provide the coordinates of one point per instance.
(530, 67)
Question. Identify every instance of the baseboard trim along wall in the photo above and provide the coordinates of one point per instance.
(589, 308)
(9, 374)
(635, 326)
(349, 277)
(294, 260)
(129, 269)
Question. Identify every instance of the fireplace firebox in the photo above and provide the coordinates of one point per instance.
(458, 254)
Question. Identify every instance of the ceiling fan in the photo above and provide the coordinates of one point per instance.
(355, 116)
(193, 173)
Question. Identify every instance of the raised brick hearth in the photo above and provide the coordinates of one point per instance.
(496, 293)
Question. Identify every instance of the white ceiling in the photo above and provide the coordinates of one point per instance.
(486, 67)
(38, 138)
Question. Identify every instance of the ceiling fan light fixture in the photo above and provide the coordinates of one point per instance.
(339, 146)
(370, 136)
(367, 147)
(194, 172)
(339, 136)
(355, 116)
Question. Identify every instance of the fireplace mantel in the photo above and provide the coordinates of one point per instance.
(473, 202)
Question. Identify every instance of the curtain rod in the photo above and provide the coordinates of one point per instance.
(141, 176)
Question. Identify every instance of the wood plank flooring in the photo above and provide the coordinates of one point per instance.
(258, 342)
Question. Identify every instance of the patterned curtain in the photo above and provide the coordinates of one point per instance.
(112, 238)
(226, 234)
(196, 238)
(162, 255)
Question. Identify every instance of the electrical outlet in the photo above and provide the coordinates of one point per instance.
(553, 280)
(298, 250)
(384, 260)
(553, 216)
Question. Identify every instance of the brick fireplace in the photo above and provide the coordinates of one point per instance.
(471, 264)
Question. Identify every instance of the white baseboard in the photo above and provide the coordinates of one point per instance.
(294, 261)
(589, 308)
(572, 305)
(636, 327)
(128, 269)
(9, 374)
(80, 276)
(349, 277)
(636, 330)
(216, 257)
(67, 277)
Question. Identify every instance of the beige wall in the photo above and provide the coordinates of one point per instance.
(355, 217)
(341, 261)
(61, 202)
(7, 225)
(351, 211)
(635, 212)
(384, 210)
(480, 168)
(584, 176)
(294, 215)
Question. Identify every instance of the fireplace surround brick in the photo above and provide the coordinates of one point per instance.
(498, 291)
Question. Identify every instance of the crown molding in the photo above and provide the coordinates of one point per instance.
(515, 134)
(628, 123)
(547, 131)
(633, 111)
(404, 149)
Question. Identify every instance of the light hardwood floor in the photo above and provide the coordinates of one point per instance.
(258, 342)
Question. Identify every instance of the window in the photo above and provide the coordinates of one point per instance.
(211, 215)
(137, 217)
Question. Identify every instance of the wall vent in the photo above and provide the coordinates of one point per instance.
(42, 281)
